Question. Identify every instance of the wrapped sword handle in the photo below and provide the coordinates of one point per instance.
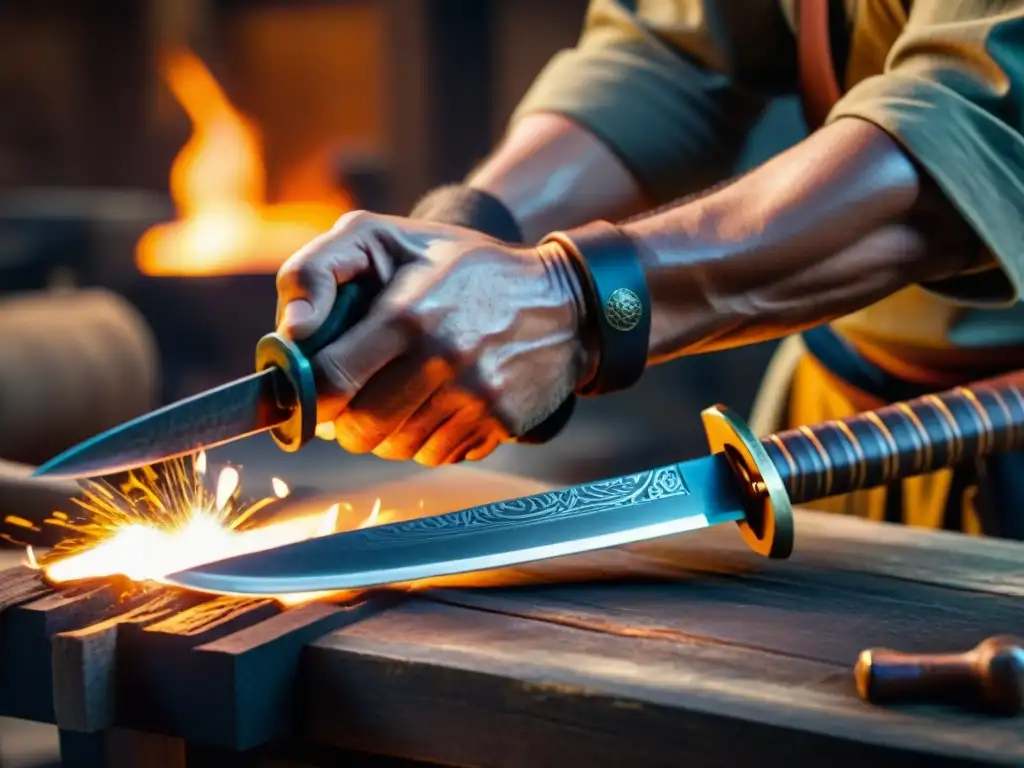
(863, 451)
(901, 440)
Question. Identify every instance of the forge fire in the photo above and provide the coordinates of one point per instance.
(218, 183)
(156, 524)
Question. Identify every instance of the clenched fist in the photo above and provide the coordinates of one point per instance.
(471, 342)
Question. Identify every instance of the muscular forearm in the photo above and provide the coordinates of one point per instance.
(834, 224)
(552, 174)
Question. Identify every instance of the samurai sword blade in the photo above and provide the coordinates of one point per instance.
(660, 502)
(237, 409)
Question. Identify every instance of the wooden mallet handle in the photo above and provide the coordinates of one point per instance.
(989, 677)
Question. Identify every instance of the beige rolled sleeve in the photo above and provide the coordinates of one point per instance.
(653, 83)
(951, 94)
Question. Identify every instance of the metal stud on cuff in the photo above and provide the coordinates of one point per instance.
(617, 298)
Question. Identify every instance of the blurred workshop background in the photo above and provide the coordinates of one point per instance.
(160, 158)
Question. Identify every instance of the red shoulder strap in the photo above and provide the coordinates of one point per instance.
(819, 87)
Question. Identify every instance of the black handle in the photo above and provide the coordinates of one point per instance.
(900, 440)
(989, 677)
(351, 304)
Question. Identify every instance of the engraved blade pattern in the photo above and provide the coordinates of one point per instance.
(608, 513)
(238, 409)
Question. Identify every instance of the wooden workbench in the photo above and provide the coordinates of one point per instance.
(689, 651)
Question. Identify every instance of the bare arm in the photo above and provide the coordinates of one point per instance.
(836, 223)
(642, 110)
(551, 174)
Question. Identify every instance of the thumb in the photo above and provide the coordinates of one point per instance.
(307, 283)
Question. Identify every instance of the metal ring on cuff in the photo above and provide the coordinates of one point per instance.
(274, 349)
(618, 300)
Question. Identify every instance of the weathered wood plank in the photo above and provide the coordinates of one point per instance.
(839, 544)
(221, 674)
(25, 632)
(84, 663)
(808, 620)
(258, 665)
(470, 688)
(20, 585)
(157, 685)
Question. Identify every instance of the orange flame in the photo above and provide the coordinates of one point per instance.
(218, 184)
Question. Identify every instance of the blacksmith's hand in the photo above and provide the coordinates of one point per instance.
(472, 341)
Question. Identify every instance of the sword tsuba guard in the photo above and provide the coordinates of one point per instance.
(768, 527)
(274, 349)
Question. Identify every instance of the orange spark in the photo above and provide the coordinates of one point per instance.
(280, 487)
(153, 527)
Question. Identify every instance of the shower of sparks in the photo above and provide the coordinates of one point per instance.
(155, 525)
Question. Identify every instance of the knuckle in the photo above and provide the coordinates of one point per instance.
(427, 457)
(287, 275)
(394, 450)
(355, 220)
(351, 442)
(481, 452)
(368, 428)
(355, 434)
(302, 270)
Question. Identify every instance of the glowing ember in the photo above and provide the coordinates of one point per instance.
(374, 514)
(154, 526)
(218, 184)
(227, 483)
(280, 487)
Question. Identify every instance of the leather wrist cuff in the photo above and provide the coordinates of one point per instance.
(471, 208)
(465, 206)
(618, 303)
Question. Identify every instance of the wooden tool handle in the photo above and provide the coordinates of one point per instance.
(989, 677)
(900, 440)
